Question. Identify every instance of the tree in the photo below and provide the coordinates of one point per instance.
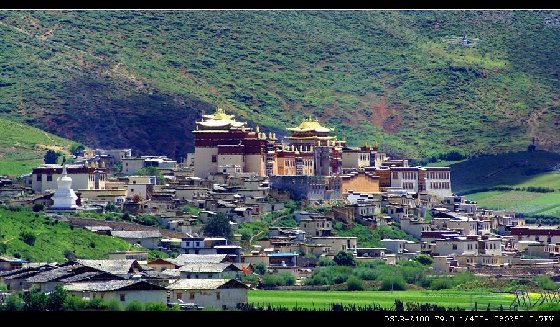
(51, 157)
(35, 300)
(260, 268)
(27, 238)
(77, 149)
(344, 258)
(38, 207)
(137, 198)
(69, 255)
(117, 166)
(218, 226)
(155, 306)
(424, 259)
(135, 305)
(354, 284)
(114, 305)
(56, 299)
(110, 207)
(14, 303)
(152, 171)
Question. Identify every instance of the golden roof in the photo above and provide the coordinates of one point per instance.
(310, 125)
(220, 119)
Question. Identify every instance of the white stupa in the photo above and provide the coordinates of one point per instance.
(64, 198)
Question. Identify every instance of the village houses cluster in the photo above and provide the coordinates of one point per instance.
(245, 174)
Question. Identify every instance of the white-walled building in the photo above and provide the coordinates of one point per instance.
(209, 293)
(44, 177)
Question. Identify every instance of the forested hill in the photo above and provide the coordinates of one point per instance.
(406, 79)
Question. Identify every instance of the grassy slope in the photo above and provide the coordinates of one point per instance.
(52, 240)
(22, 147)
(519, 201)
(447, 298)
(518, 170)
(503, 169)
(386, 76)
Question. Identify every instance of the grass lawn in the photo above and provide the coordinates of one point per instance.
(448, 298)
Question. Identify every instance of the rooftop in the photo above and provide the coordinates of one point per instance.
(184, 259)
(207, 267)
(113, 285)
(136, 233)
(117, 267)
(205, 284)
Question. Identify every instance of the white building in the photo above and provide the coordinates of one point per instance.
(124, 291)
(64, 198)
(209, 293)
(456, 246)
(44, 177)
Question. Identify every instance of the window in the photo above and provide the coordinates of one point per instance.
(179, 295)
(395, 175)
(49, 178)
(217, 295)
(191, 296)
(454, 246)
(39, 178)
(189, 276)
(131, 190)
(214, 158)
(123, 298)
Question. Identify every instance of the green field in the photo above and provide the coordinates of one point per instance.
(22, 147)
(52, 239)
(530, 203)
(386, 299)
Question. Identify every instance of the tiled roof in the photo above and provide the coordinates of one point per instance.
(204, 284)
(206, 267)
(166, 274)
(55, 274)
(24, 272)
(117, 267)
(112, 285)
(136, 233)
(183, 259)
(85, 276)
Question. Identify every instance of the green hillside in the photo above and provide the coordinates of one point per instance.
(23, 147)
(401, 78)
(519, 169)
(51, 238)
(525, 182)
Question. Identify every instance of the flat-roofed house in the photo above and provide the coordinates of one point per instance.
(149, 239)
